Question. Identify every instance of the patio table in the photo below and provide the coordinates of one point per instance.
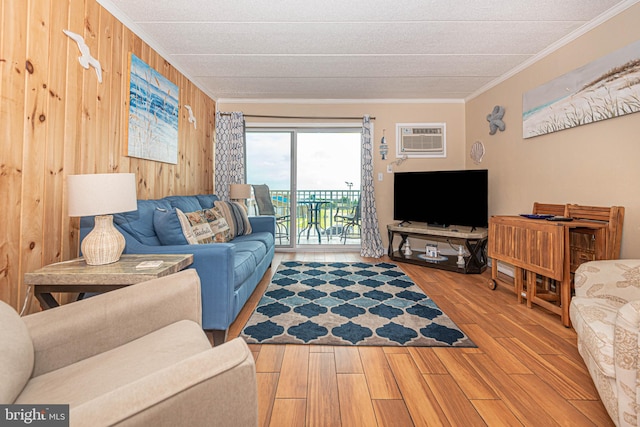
(313, 217)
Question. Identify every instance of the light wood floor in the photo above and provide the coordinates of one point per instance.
(526, 370)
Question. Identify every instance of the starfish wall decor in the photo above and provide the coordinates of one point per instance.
(495, 120)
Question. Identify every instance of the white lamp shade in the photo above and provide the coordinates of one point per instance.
(101, 194)
(239, 191)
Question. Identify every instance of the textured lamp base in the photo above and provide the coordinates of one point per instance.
(104, 244)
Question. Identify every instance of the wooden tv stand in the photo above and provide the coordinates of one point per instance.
(474, 241)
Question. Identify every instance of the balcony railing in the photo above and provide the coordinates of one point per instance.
(333, 202)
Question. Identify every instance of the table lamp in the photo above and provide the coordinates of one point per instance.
(239, 193)
(101, 195)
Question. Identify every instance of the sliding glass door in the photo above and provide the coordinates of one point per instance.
(314, 178)
(269, 155)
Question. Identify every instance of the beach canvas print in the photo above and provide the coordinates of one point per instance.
(603, 89)
(153, 114)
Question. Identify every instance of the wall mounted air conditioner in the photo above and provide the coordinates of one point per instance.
(421, 140)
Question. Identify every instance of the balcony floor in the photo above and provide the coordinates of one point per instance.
(313, 241)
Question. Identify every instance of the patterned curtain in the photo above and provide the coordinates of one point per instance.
(229, 148)
(371, 245)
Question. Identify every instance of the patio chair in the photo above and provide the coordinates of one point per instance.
(349, 218)
(262, 195)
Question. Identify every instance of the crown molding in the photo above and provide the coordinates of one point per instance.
(144, 36)
(126, 21)
(580, 31)
(338, 101)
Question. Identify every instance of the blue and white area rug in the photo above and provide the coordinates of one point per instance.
(341, 303)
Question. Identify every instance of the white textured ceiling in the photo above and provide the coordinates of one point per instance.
(354, 49)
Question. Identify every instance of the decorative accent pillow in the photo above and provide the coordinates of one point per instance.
(243, 226)
(218, 224)
(174, 227)
(236, 217)
(169, 229)
(185, 226)
(198, 224)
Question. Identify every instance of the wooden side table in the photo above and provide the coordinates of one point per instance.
(76, 276)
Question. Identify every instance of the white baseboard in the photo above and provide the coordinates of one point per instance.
(503, 268)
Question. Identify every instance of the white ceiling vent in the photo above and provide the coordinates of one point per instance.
(421, 140)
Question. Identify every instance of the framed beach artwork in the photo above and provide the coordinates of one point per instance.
(153, 114)
(603, 89)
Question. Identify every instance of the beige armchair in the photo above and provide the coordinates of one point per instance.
(134, 356)
(605, 313)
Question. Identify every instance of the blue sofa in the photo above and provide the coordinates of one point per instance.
(229, 272)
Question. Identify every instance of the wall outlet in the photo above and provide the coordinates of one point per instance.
(389, 168)
(379, 176)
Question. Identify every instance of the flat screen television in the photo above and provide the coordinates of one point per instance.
(442, 198)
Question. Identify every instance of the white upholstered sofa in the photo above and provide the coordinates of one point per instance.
(134, 356)
(605, 313)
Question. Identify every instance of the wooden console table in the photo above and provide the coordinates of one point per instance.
(474, 241)
(76, 276)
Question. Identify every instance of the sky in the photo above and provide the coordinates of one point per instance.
(326, 161)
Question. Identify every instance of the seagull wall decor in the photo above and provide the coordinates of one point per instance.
(85, 59)
(192, 118)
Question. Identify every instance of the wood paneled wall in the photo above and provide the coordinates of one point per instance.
(56, 119)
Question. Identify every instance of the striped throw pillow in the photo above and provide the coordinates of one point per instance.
(236, 217)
